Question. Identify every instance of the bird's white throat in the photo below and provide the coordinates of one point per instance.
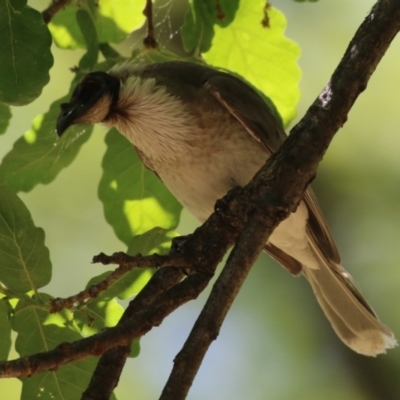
(153, 120)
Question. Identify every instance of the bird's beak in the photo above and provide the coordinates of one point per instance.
(69, 114)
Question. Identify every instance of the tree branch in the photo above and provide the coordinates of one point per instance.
(106, 375)
(53, 9)
(275, 191)
(126, 264)
(206, 329)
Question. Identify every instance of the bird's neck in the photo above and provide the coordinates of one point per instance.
(153, 120)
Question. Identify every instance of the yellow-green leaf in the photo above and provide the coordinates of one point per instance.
(134, 199)
(262, 55)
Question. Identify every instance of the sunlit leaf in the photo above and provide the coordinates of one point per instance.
(24, 259)
(98, 314)
(25, 56)
(134, 199)
(5, 329)
(5, 116)
(65, 30)
(262, 55)
(40, 331)
(113, 20)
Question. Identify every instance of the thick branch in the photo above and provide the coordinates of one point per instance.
(207, 327)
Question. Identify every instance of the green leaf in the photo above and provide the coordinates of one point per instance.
(68, 382)
(25, 56)
(116, 20)
(88, 29)
(98, 314)
(24, 259)
(39, 331)
(39, 156)
(5, 116)
(263, 56)
(64, 29)
(5, 329)
(108, 52)
(226, 11)
(134, 199)
(113, 20)
(198, 29)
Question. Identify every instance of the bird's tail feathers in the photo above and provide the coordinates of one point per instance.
(351, 317)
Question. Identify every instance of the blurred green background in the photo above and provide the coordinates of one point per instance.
(275, 344)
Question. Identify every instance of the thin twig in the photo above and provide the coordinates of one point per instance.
(53, 9)
(149, 41)
(126, 264)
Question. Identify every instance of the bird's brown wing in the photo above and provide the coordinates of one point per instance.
(250, 109)
(260, 122)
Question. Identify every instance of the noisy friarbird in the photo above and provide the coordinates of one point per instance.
(204, 132)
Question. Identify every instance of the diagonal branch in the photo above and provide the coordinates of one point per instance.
(206, 329)
(126, 264)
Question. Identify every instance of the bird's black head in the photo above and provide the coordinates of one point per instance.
(91, 101)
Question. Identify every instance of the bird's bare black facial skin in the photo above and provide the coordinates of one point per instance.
(88, 92)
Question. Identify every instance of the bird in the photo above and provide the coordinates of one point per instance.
(203, 132)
